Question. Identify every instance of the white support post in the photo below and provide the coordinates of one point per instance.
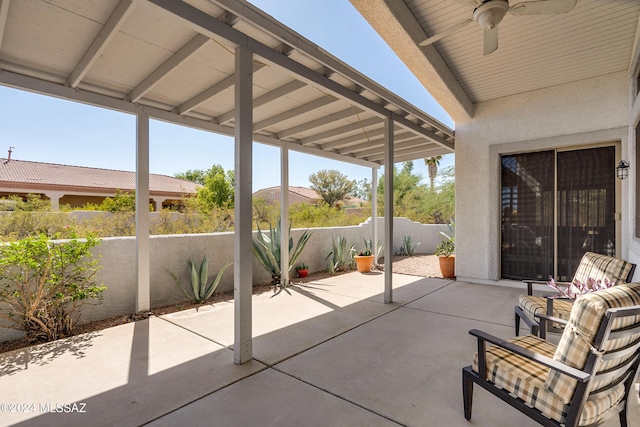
(284, 215)
(143, 294)
(242, 240)
(374, 213)
(388, 211)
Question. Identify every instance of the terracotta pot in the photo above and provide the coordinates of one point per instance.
(302, 272)
(448, 266)
(364, 263)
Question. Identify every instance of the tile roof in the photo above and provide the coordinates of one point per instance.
(50, 174)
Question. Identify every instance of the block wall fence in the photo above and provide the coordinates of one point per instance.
(117, 258)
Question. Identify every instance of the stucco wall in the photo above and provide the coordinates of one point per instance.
(170, 252)
(581, 113)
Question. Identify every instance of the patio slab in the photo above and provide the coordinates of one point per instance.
(125, 375)
(413, 377)
(487, 303)
(370, 286)
(282, 401)
(342, 302)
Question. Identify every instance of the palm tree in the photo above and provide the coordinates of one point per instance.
(432, 164)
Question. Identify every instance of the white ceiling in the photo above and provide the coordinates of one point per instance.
(593, 39)
(175, 61)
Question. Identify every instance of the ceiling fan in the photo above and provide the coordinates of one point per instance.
(489, 13)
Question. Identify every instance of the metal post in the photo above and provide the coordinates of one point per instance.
(388, 211)
(242, 255)
(143, 294)
(284, 215)
(374, 213)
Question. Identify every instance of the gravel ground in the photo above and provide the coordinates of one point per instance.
(418, 265)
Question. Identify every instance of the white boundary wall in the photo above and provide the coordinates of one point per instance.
(170, 252)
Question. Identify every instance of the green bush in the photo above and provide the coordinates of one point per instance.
(43, 285)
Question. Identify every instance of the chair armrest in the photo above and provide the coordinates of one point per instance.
(527, 354)
(540, 282)
(546, 318)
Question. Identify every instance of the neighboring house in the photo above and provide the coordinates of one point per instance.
(304, 195)
(76, 185)
(296, 195)
(540, 125)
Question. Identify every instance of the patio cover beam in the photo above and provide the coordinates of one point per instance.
(31, 84)
(100, 43)
(202, 23)
(425, 151)
(4, 13)
(359, 125)
(283, 90)
(320, 122)
(379, 150)
(167, 67)
(209, 93)
(308, 48)
(379, 142)
(295, 112)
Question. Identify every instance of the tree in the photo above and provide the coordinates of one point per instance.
(217, 186)
(406, 184)
(432, 164)
(361, 189)
(195, 175)
(331, 185)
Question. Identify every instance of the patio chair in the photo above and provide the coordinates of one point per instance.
(592, 265)
(584, 380)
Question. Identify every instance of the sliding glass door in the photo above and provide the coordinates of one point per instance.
(556, 205)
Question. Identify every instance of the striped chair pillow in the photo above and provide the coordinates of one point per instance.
(599, 267)
(580, 333)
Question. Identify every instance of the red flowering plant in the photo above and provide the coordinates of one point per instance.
(577, 288)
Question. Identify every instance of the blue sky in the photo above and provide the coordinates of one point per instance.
(50, 130)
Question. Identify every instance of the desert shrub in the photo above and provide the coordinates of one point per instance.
(305, 215)
(43, 285)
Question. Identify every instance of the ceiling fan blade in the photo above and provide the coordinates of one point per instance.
(452, 29)
(542, 7)
(490, 40)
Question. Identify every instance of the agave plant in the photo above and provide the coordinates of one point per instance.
(408, 248)
(266, 249)
(577, 288)
(368, 245)
(341, 257)
(199, 275)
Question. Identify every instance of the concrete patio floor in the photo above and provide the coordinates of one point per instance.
(330, 354)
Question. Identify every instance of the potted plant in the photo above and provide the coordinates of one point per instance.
(447, 259)
(445, 250)
(364, 261)
(302, 270)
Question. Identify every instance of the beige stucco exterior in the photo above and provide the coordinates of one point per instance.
(585, 113)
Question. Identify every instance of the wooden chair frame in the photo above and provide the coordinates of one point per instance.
(584, 377)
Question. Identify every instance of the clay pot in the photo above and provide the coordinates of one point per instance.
(448, 266)
(364, 263)
(303, 272)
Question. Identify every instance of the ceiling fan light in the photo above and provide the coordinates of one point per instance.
(489, 14)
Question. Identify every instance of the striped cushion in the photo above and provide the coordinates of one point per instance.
(584, 322)
(532, 304)
(525, 379)
(599, 267)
